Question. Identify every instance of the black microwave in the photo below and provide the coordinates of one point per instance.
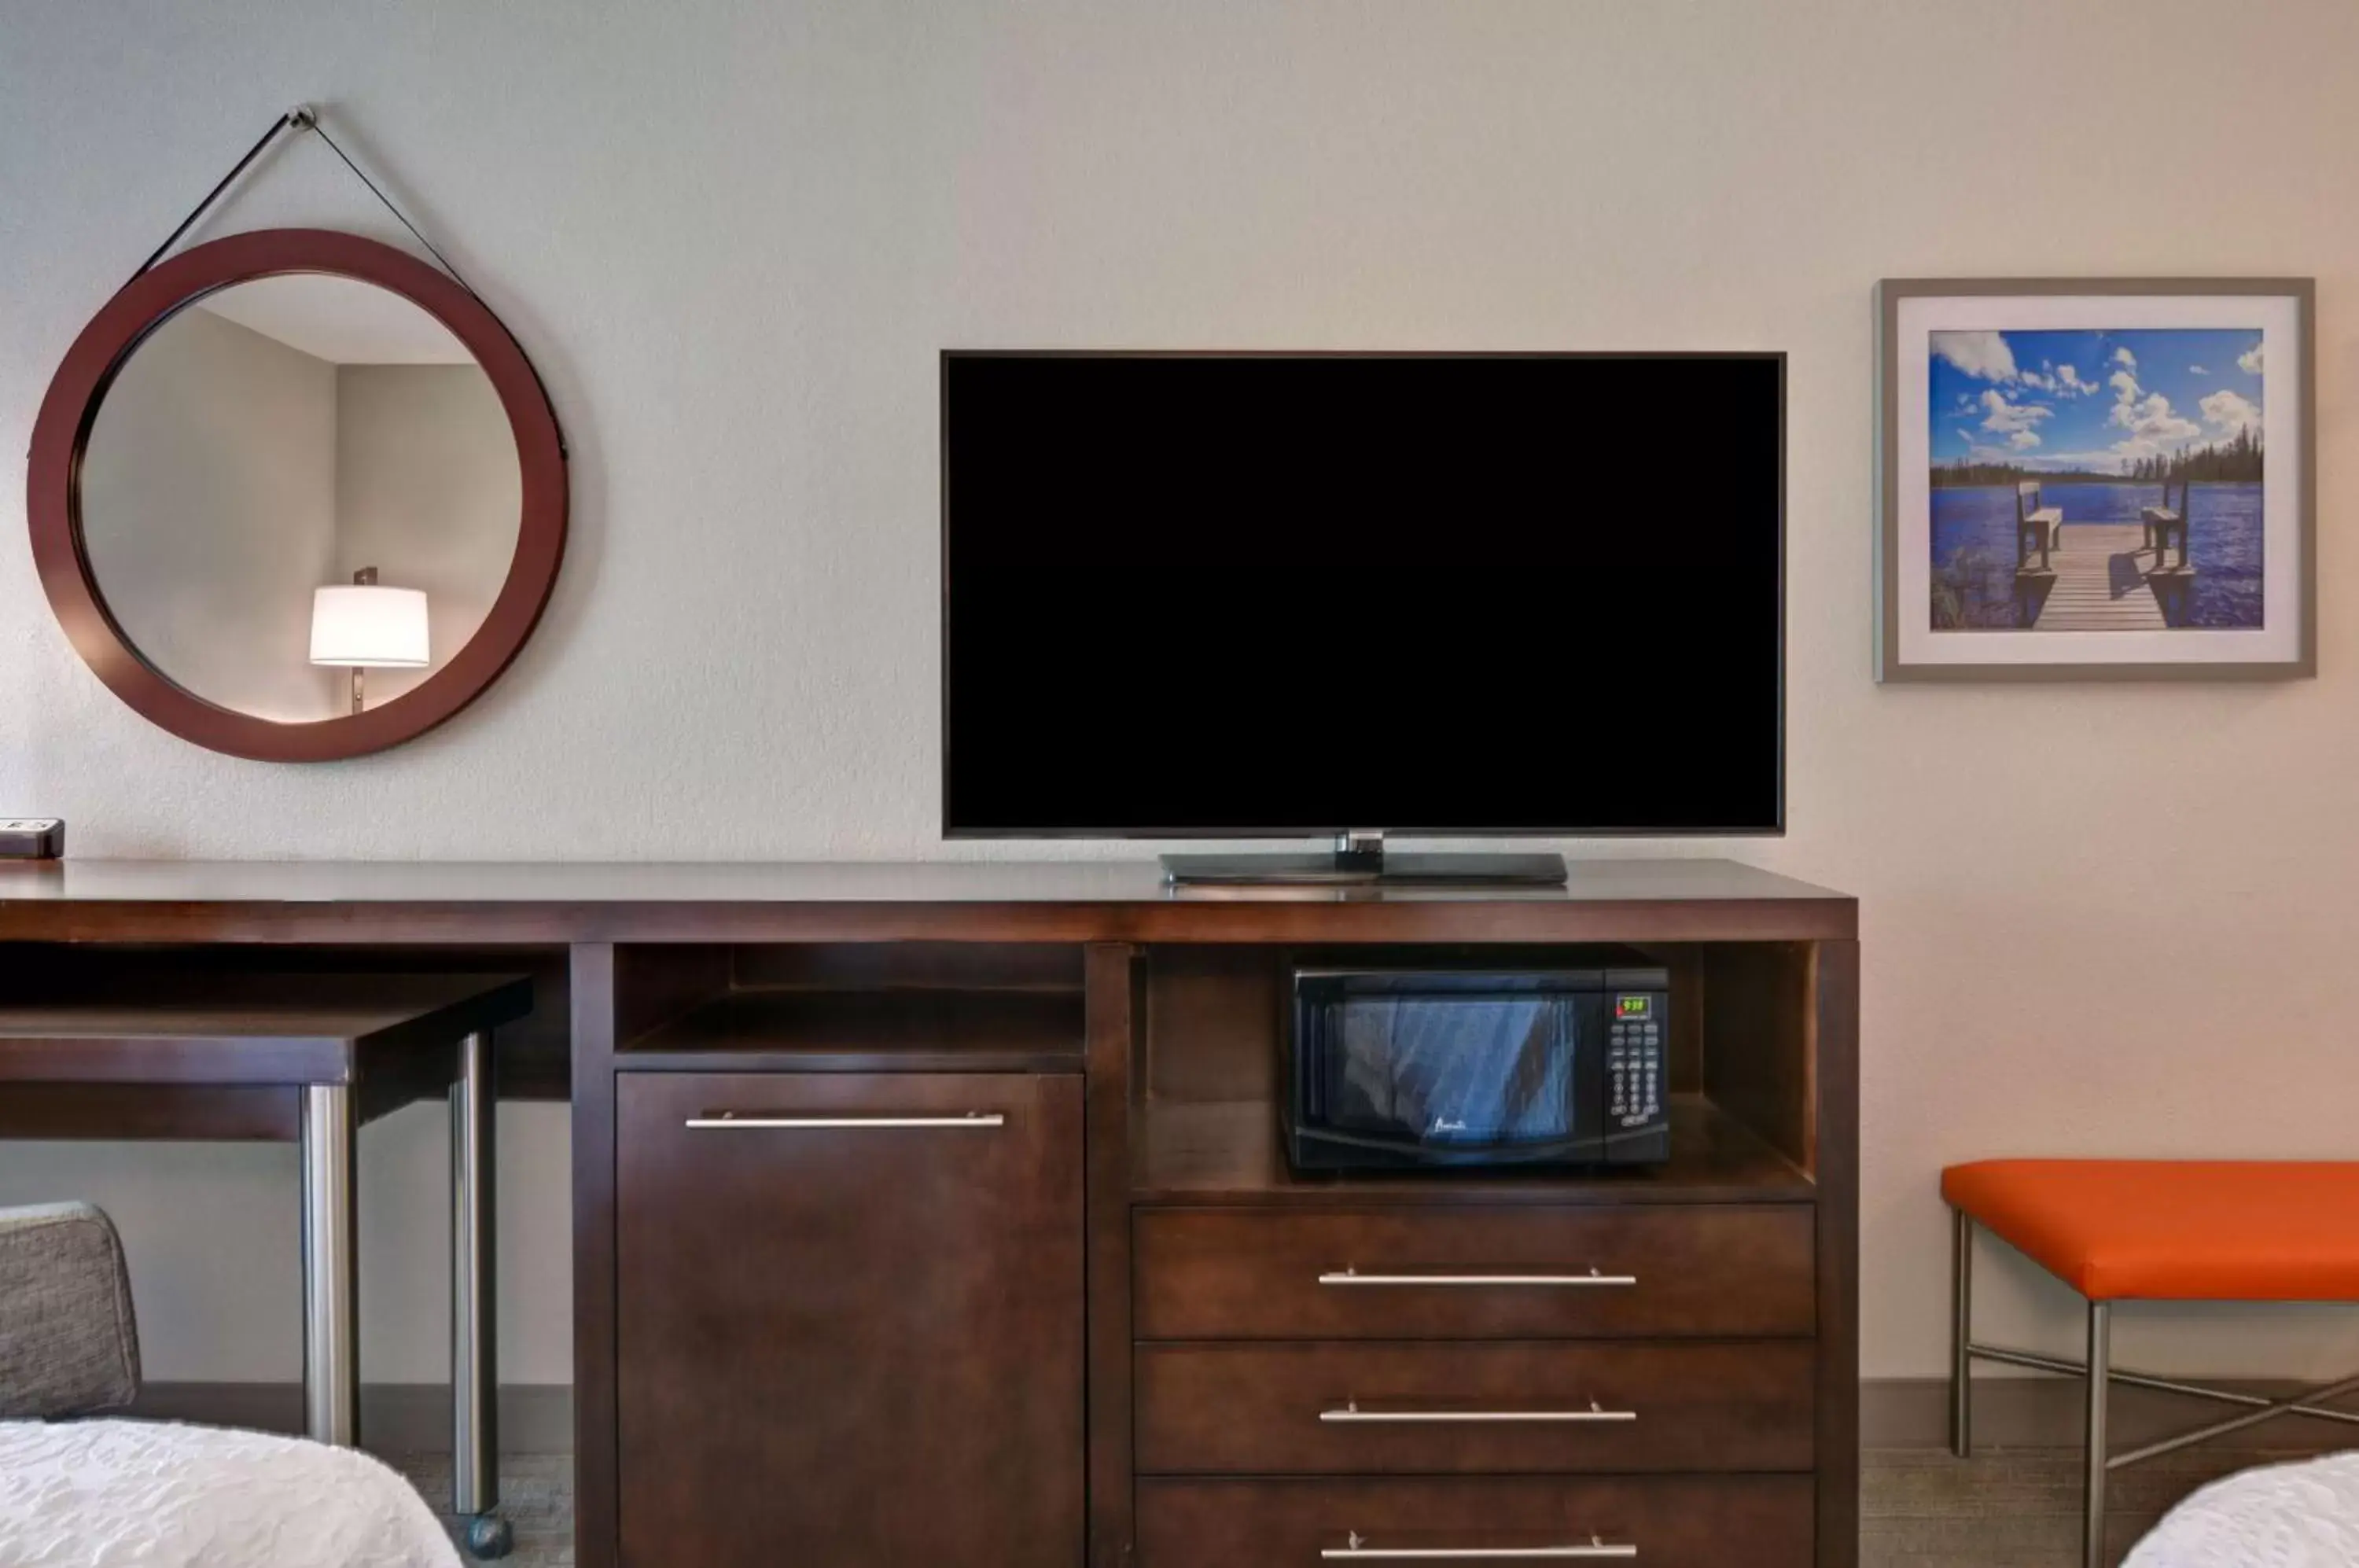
(1443, 1065)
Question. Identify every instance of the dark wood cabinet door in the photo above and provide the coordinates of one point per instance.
(849, 1319)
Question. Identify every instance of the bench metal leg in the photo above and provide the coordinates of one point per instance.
(332, 1374)
(1962, 1334)
(475, 1317)
(2100, 1383)
(2098, 1376)
(2263, 1409)
(2302, 1404)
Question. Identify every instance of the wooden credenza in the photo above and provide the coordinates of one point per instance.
(937, 1216)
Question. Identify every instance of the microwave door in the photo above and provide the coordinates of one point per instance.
(1450, 1072)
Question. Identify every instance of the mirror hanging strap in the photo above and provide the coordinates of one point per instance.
(301, 118)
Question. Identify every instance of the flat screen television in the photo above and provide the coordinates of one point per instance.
(1239, 595)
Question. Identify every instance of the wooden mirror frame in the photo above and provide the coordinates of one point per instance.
(70, 408)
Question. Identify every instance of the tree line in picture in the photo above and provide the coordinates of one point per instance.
(2236, 461)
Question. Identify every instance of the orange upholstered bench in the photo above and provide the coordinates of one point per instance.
(2118, 1230)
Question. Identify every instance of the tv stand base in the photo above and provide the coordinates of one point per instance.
(1352, 868)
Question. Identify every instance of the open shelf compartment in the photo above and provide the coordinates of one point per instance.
(915, 1008)
(1207, 1091)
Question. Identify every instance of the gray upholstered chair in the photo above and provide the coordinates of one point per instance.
(69, 1344)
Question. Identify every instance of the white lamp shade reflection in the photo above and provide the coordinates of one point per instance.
(369, 627)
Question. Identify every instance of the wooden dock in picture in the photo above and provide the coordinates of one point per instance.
(2099, 580)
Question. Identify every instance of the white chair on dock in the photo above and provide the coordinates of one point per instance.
(2035, 527)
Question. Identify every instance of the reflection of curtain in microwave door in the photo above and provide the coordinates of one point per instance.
(1454, 1070)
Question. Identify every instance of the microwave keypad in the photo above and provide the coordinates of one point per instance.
(1634, 1072)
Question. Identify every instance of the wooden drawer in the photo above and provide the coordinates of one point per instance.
(1759, 1521)
(1432, 1409)
(1649, 1272)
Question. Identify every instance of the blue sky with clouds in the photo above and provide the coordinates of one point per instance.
(2091, 400)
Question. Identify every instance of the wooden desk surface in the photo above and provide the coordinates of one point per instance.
(332, 901)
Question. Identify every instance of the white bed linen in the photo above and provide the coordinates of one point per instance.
(2303, 1515)
(130, 1494)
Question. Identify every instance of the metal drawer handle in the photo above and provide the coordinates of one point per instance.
(1598, 1550)
(1595, 1412)
(726, 1121)
(1553, 1282)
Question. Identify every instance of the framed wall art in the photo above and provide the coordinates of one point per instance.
(2095, 479)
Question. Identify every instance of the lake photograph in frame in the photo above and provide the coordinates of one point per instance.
(2110, 479)
(2096, 481)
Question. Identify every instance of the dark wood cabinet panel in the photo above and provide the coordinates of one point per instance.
(1504, 1407)
(1661, 1271)
(1834, 1087)
(1111, 989)
(850, 1347)
(1759, 1521)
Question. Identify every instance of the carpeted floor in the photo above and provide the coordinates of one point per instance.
(1919, 1507)
(2017, 1508)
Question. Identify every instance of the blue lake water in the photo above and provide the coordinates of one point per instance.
(1974, 549)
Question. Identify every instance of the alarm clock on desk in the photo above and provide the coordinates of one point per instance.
(32, 838)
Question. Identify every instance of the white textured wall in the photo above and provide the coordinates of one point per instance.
(2109, 919)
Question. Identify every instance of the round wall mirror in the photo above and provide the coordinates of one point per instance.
(296, 495)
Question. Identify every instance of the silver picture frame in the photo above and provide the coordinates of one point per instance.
(1910, 647)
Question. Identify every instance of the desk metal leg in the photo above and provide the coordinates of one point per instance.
(474, 1319)
(332, 1374)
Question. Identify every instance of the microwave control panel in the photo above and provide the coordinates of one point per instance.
(1633, 1058)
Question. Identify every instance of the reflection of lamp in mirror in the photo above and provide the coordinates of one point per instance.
(365, 627)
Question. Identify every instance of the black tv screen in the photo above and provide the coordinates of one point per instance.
(1232, 595)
